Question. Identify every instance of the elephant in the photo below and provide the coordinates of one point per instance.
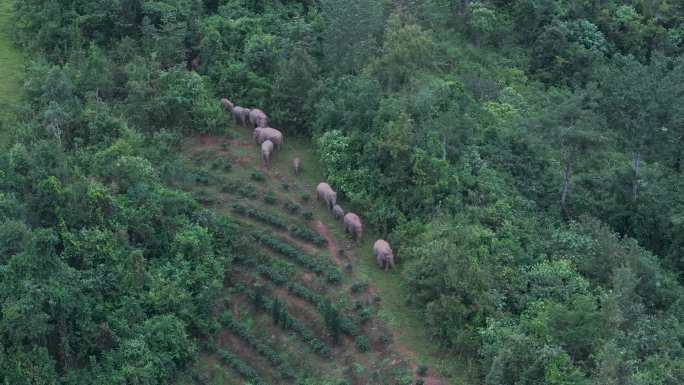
(240, 114)
(338, 212)
(352, 225)
(325, 192)
(262, 134)
(296, 164)
(258, 118)
(383, 254)
(266, 152)
(227, 104)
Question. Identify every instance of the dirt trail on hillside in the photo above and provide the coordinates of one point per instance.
(323, 231)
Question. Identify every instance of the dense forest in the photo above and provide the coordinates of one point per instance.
(524, 158)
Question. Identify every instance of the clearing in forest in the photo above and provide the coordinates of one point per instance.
(11, 67)
(303, 283)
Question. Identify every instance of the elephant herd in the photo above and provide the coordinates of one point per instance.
(352, 224)
(267, 137)
(270, 140)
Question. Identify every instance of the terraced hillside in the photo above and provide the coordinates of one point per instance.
(305, 303)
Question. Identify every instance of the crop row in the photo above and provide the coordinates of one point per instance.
(347, 325)
(316, 265)
(286, 320)
(279, 223)
(280, 276)
(241, 367)
(263, 349)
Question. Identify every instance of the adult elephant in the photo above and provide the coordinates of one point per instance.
(383, 254)
(262, 134)
(258, 118)
(352, 225)
(240, 114)
(327, 194)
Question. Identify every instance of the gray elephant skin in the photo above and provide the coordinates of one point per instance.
(338, 212)
(296, 165)
(262, 134)
(258, 118)
(383, 254)
(327, 194)
(352, 225)
(240, 114)
(266, 152)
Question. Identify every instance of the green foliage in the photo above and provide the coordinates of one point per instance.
(292, 207)
(270, 198)
(257, 176)
(460, 155)
(362, 344)
(314, 264)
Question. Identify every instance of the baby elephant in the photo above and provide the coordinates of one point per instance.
(266, 152)
(338, 212)
(296, 164)
(383, 254)
(327, 194)
(352, 225)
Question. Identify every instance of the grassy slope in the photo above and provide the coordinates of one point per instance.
(410, 337)
(11, 68)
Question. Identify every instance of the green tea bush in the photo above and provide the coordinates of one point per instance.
(292, 207)
(263, 301)
(242, 368)
(257, 176)
(307, 215)
(260, 216)
(422, 370)
(311, 263)
(359, 287)
(270, 198)
(307, 235)
(260, 347)
(362, 344)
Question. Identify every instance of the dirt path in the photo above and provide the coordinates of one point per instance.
(323, 231)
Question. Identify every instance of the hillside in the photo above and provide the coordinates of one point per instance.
(11, 63)
(523, 159)
(227, 176)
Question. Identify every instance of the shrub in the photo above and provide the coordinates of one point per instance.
(202, 177)
(221, 164)
(257, 176)
(306, 197)
(308, 215)
(362, 344)
(270, 198)
(420, 381)
(260, 216)
(384, 340)
(291, 207)
(308, 261)
(422, 370)
(307, 235)
(285, 186)
(358, 287)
